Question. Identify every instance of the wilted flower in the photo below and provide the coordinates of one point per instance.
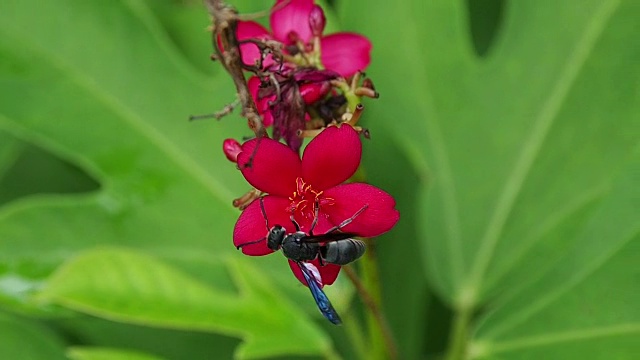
(285, 105)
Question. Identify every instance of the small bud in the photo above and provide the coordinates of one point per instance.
(314, 91)
(364, 91)
(317, 21)
(231, 149)
(368, 83)
(246, 199)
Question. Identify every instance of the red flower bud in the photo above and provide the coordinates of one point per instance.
(231, 149)
(313, 92)
(317, 21)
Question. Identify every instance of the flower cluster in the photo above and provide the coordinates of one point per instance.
(302, 79)
(305, 84)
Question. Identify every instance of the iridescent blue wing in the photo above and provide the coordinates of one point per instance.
(318, 295)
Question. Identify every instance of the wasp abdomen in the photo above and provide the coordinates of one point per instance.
(342, 252)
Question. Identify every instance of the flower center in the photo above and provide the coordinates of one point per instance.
(304, 198)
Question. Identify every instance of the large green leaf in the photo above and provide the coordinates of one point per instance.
(519, 153)
(88, 353)
(145, 291)
(110, 93)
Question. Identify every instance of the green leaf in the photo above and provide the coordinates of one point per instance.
(26, 340)
(9, 150)
(93, 353)
(111, 93)
(167, 343)
(591, 296)
(517, 154)
(131, 287)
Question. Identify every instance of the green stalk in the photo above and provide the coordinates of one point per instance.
(381, 342)
(356, 336)
(458, 337)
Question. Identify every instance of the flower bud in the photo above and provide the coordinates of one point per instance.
(231, 149)
(317, 21)
(313, 92)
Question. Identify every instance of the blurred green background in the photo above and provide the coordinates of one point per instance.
(508, 131)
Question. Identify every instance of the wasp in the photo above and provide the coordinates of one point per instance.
(333, 247)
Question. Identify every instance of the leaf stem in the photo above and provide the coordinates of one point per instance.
(356, 337)
(381, 338)
(458, 337)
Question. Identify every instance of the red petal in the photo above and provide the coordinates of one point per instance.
(379, 217)
(346, 53)
(251, 30)
(274, 168)
(262, 104)
(328, 272)
(322, 225)
(291, 18)
(253, 84)
(331, 157)
(252, 226)
(313, 92)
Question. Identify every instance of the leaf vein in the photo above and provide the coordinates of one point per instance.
(531, 147)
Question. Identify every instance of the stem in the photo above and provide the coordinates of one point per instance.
(381, 338)
(458, 337)
(225, 23)
(356, 337)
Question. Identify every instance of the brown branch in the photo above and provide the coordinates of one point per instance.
(225, 24)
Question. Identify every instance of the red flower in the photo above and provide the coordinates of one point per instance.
(343, 52)
(294, 186)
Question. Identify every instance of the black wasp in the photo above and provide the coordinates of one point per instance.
(332, 247)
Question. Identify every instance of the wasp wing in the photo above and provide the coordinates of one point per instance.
(312, 277)
(337, 236)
